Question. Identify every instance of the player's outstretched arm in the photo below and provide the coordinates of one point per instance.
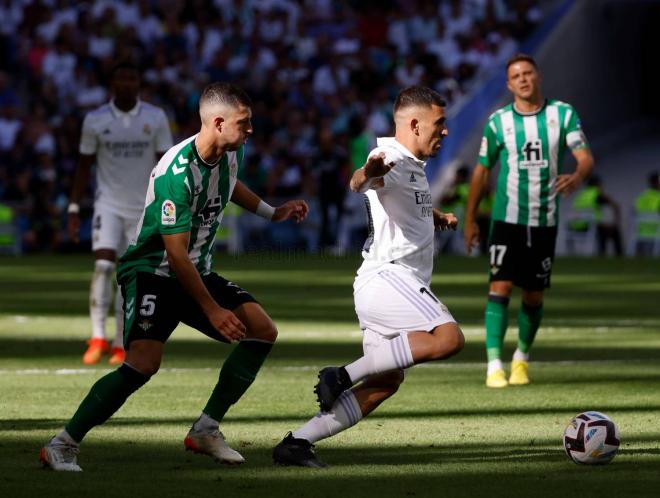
(567, 184)
(248, 200)
(80, 182)
(223, 320)
(444, 221)
(478, 184)
(371, 174)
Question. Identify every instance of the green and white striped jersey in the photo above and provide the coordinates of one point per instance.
(530, 148)
(184, 194)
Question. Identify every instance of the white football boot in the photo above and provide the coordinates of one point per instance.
(213, 444)
(60, 456)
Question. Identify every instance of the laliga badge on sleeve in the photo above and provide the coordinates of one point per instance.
(168, 213)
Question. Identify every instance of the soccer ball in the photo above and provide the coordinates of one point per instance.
(591, 438)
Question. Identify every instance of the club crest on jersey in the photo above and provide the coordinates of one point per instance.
(532, 153)
(146, 129)
(168, 213)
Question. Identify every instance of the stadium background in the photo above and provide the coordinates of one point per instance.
(323, 75)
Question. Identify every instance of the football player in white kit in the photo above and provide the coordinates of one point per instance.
(125, 138)
(402, 321)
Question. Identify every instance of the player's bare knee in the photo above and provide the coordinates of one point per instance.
(144, 358)
(449, 340)
(146, 368)
(532, 299)
(456, 340)
(266, 331)
(502, 288)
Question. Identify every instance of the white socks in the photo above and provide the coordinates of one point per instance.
(390, 355)
(494, 365)
(497, 364)
(118, 342)
(205, 424)
(100, 296)
(345, 413)
(519, 355)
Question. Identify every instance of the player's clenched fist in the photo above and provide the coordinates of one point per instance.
(296, 210)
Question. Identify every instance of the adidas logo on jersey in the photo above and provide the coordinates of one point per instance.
(106, 131)
(412, 178)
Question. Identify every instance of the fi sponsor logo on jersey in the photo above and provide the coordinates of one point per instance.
(532, 154)
(168, 213)
(210, 212)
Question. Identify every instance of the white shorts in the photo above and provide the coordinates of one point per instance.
(394, 301)
(110, 230)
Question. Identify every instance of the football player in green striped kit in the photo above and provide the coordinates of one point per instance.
(529, 138)
(166, 278)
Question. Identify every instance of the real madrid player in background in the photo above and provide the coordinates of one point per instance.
(166, 278)
(402, 321)
(125, 138)
(529, 138)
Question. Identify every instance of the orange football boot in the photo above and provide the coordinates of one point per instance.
(117, 356)
(96, 349)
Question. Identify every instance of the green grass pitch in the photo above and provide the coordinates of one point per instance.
(443, 434)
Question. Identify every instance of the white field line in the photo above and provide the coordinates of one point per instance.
(304, 368)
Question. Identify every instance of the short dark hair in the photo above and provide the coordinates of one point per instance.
(520, 57)
(654, 179)
(225, 93)
(418, 95)
(124, 65)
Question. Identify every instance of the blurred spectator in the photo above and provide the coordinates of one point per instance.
(647, 218)
(454, 201)
(310, 65)
(593, 208)
(331, 167)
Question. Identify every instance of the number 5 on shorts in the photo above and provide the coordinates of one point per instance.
(497, 253)
(148, 305)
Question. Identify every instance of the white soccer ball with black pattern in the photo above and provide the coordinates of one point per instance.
(591, 438)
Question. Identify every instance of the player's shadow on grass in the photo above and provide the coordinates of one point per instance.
(157, 467)
(294, 420)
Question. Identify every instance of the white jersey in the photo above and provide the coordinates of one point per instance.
(400, 216)
(125, 145)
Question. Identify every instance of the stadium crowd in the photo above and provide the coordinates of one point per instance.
(322, 75)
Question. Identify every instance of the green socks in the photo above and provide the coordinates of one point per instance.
(237, 374)
(529, 320)
(105, 397)
(496, 323)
